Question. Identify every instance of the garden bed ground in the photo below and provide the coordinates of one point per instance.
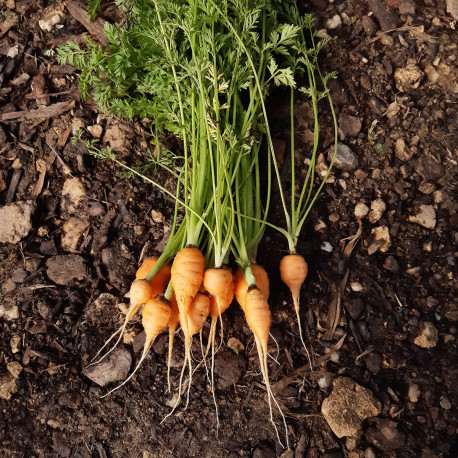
(73, 230)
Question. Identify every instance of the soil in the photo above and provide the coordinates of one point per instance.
(67, 265)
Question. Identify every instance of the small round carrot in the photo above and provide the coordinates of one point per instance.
(160, 280)
(241, 286)
(155, 319)
(198, 313)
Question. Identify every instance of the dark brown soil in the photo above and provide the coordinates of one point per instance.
(395, 98)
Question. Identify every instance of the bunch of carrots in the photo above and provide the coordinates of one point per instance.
(202, 69)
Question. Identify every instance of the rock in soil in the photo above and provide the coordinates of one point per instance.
(345, 158)
(7, 386)
(349, 125)
(263, 451)
(113, 368)
(16, 221)
(229, 368)
(348, 406)
(426, 217)
(74, 229)
(428, 168)
(385, 15)
(429, 336)
(8, 310)
(385, 434)
(74, 196)
(64, 269)
(391, 264)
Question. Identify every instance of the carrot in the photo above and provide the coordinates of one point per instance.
(155, 319)
(258, 316)
(241, 286)
(140, 292)
(160, 280)
(293, 271)
(173, 324)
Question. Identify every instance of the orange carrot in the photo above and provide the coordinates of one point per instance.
(173, 324)
(293, 271)
(155, 319)
(198, 313)
(241, 286)
(160, 280)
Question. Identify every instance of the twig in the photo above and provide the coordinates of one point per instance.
(46, 112)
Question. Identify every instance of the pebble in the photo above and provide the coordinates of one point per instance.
(361, 210)
(378, 206)
(325, 381)
(426, 217)
(96, 130)
(428, 168)
(369, 453)
(429, 336)
(349, 125)
(73, 230)
(381, 240)
(74, 197)
(445, 403)
(21, 79)
(431, 74)
(408, 77)
(113, 368)
(320, 225)
(15, 343)
(385, 435)
(235, 345)
(426, 187)
(157, 216)
(391, 264)
(402, 151)
(414, 393)
(65, 269)
(385, 15)
(348, 406)
(77, 124)
(47, 23)
(230, 368)
(13, 52)
(7, 386)
(334, 22)
(16, 221)
(8, 311)
(327, 247)
(14, 368)
(356, 286)
(387, 40)
(345, 158)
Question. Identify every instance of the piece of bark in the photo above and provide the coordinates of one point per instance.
(46, 112)
(386, 16)
(39, 90)
(63, 137)
(17, 166)
(79, 12)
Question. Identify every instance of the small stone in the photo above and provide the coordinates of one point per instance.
(445, 403)
(21, 79)
(14, 368)
(452, 8)
(96, 130)
(13, 52)
(378, 206)
(320, 225)
(355, 308)
(408, 77)
(431, 74)
(429, 336)
(348, 406)
(73, 230)
(356, 286)
(387, 40)
(385, 435)
(327, 247)
(8, 311)
(229, 367)
(369, 26)
(15, 343)
(385, 15)
(49, 21)
(60, 444)
(426, 188)
(349, 125)
(407, 7)
(16, 221)
(345, 158)
(74, 197)
(426, 217)
(157, 216)
(65, 269)
(77, 125)
(113, 368)
(402, 151)
(321, 166)
(369, 453)
(334, 22)
(381, 240)
(414, 393)
(117, 136)
(235, 345)
(391, 264)
(7, 386)
(439, 196)
(361, 174)
(428, 168)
